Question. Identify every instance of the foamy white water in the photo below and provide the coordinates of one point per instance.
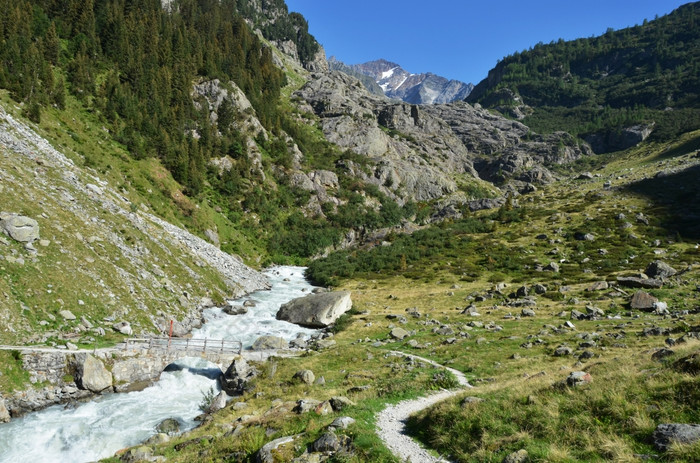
(97, 429)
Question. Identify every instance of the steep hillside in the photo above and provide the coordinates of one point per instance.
(644, 76)
(97, 254)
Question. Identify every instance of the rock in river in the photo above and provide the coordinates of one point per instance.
(316, 310)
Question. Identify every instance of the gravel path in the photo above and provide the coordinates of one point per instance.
(391, 422)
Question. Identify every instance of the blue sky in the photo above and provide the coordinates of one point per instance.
(461, 39)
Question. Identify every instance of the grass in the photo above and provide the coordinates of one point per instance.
(514, 369)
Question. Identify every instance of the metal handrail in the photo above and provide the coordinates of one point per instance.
(221, 346)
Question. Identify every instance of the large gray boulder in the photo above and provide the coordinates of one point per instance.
(91, 374)
(316, 310)
(19, 228)
(269, 343)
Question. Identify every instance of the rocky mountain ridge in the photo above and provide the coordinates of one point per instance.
(395, 82)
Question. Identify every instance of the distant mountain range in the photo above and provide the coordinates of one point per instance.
(393, 81)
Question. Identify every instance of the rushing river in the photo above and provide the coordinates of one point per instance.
(97, 429)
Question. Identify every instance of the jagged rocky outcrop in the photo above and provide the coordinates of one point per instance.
(420, 151)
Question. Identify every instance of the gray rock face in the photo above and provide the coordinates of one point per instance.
(19, 228)
(316, 310)
(667, 434)
(617, 140)
(91, 373)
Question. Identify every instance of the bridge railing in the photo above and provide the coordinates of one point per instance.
(221, 346)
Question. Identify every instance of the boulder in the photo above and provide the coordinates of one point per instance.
(328, 442)
(235, 380)
(4, 413)
(305, 376)
(266, 455)
(399, 333)
(667, 434)
(235, 309)
(521, 456)
(269, 343)
(340, 402)
(643, 301)
(659, 269)
(689, 364)
(342, 422)
(169, 426)
(19, 228)
(123, 328)
(578, 378)
(91, 374)
(218, 403)
(562, 351)
(316, 310)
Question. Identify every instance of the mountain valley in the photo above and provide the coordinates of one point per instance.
(536, 233)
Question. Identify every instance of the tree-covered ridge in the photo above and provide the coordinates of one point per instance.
(136, 62)
(626, 76)
(133, 63)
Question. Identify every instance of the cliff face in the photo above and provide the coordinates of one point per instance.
(423, 152)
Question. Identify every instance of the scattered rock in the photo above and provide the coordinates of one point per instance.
(342, 422)
(551, 267)
(578, 378)
(659, 269)
(562, 351)
(19, 228)
(316, 310)
(667, 434)
(399, 333)
(689, 364)
(661, 354)
(328, 442)
(169, 426)
(527, 313)
(598, 286)
(67, 315)
(305, 376)
(235, 309)
(218, 403)
(521, 456)
(265, 455)
(123, 328)
(340, 402)
(643, 301)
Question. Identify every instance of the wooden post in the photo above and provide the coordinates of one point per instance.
(170, 336)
